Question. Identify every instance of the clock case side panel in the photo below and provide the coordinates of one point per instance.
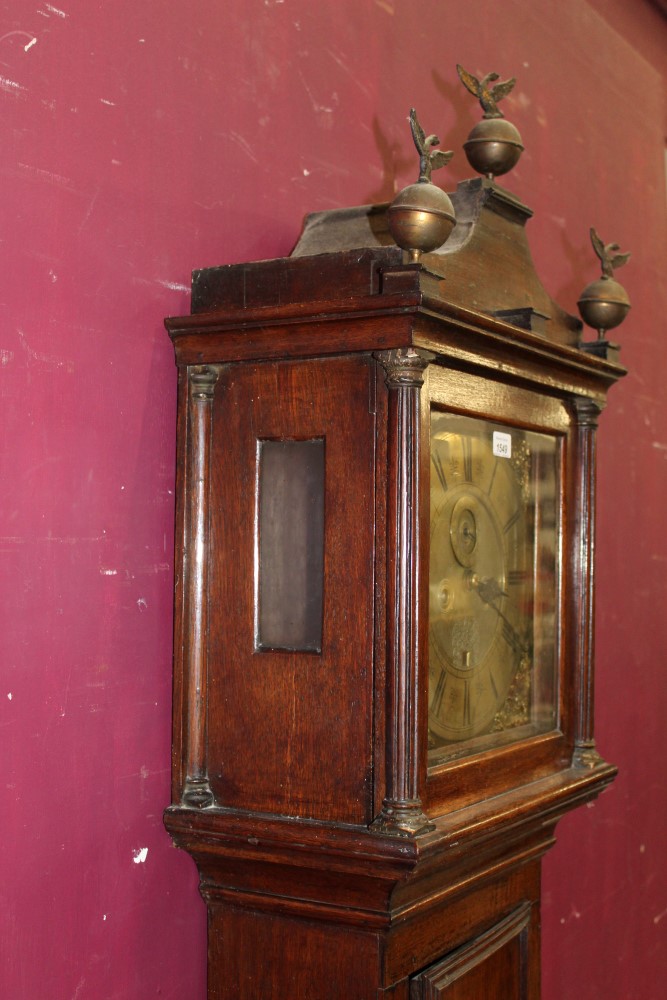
(290, 730)
(254, 954)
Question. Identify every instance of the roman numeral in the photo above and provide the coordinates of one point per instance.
(467, 459)
(466, 704)
(493, 477)
(438, 694)
(512, 521)
(437, 462)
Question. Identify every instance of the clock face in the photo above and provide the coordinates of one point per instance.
(492, 580)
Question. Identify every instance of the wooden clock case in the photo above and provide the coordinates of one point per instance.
(333, 861)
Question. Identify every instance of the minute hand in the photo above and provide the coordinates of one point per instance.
(489, 591)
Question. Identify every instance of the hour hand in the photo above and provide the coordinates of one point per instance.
(489, 590)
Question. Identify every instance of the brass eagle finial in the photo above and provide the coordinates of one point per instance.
(487, 96)
(429, 159)
(608, 253)
(421, 216)
(604, 303)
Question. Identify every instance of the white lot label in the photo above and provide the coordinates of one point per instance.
(502, 444)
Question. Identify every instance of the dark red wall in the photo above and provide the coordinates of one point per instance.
(139, 140)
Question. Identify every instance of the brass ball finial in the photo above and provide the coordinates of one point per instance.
(494, 144)
(421, 216)
(604, 303)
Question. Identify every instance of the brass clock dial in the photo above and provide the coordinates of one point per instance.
(483, 545)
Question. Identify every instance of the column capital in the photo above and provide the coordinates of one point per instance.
(202, 382)
(587, 410)
(404, 366)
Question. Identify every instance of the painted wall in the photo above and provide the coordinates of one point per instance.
(139, 140)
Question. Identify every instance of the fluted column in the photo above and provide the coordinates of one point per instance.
(582, 504)
(402, 811)
(196, 788)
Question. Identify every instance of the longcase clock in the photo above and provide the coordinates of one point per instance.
(383, 675)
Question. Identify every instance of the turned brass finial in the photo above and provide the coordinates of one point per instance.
(604, 303)
(494, 145)
(421, 216)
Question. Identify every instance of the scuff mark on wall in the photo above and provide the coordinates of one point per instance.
(175, 286)
(11, 87)
(55, 10)
(89, 210)
(324, 112)
(48, 359)
(45, 175)
(245, 146)
(339, 60)
(26, 34)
